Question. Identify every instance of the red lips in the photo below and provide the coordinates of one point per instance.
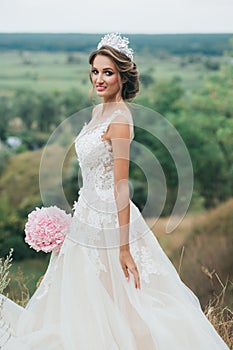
(100, 88)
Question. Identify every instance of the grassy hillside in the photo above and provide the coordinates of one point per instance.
(201, 249)
(20, 177)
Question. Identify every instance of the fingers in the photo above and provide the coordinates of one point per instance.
(136, 277)
(133, 269)
(126, 273)
(135, 273)
(137, 282)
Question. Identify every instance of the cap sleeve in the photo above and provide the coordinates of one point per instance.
(126, 117)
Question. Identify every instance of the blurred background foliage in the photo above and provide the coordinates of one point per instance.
(44, 79)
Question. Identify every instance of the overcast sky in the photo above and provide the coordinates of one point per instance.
(125, 16)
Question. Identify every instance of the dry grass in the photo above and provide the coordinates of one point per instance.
(18, 289)
(219, 315)
(5, 265)
(19, 282)
(176, 239)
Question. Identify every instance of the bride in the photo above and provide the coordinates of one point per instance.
(109, 287)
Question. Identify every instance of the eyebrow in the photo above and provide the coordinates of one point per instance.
(108, 68)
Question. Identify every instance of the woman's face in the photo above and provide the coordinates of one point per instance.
(106, 79)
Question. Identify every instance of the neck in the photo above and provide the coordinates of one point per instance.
(108, 107)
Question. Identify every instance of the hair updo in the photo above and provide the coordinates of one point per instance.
(127, 70)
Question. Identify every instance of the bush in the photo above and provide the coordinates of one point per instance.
(212, 65)
(12, 223)
(4, 156)
(31, 140)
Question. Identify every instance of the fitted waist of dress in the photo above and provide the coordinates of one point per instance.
(98, 197)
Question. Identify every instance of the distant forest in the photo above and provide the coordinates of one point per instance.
(157, 44)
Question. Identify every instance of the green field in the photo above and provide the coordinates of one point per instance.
(41, 72)
(53, 71)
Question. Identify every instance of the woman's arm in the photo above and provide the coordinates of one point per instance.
(119, 133)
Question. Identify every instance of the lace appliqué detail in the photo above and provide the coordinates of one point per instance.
(91, 223)
(94, 256)
(146, 263)
(91, 215)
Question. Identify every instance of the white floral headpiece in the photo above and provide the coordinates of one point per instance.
(117, 42)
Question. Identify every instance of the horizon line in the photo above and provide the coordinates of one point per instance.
(129, 33)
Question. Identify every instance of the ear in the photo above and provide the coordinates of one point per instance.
(124, 80)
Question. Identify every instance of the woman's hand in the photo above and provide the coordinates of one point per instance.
(127, 262)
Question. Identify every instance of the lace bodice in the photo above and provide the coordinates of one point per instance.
(95, 158)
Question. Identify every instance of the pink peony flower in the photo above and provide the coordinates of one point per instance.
(47, 228)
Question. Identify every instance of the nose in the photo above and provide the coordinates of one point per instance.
(99, 78)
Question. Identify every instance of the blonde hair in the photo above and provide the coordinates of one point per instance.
(126, 68)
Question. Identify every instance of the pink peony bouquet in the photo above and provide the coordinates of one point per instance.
(46, 228)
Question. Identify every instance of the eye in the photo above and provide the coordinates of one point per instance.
(109, 73)
(94, 71)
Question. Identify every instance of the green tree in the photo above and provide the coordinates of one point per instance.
(211, 171)
(6, 112)
(12, 223)
(146, 79)
(26, 106)
(72, 101)
(165, 96)
(49, 111)
(214, 103)
(5, 154)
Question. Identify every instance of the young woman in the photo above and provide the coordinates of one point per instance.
(111, 286)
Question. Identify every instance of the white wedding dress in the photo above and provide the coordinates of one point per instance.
(84, 301)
